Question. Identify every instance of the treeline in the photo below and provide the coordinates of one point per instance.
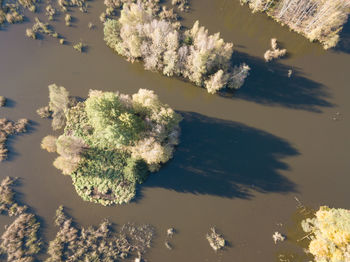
(205, 60)
(318, 20)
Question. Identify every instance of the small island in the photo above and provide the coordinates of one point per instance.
(111, 141)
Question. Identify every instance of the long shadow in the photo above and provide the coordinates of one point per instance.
(268, 83)
(224, 158)
(344, 43)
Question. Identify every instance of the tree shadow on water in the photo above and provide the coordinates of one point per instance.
(268, 83)
(224, 158)
(344, 42)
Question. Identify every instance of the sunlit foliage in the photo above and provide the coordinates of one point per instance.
(112, 141)
(195, 55)
(329, 232)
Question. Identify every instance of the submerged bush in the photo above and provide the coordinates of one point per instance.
(329, 232)
(112, 141)
(195, 55)
(49, 143)
(20, 241)
(274, 52)
(315, 19)
(2, 101)
(8, 128)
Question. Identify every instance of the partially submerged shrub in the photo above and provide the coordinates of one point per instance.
(79, 47)
(68, 19)
(215, 240)
(41, 28)
(20, 240)
(44, 112)
(65, 4)
(329, 232)
(2, 101)
(195, 55)
(315, 19)
(274, 52)
(112, 141)
(49, 143)
(6, 194)
(183, 5)
(10, 128)
(30, 33)
(50, 12)
(277, 236)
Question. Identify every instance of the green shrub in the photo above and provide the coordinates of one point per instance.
(136, 170)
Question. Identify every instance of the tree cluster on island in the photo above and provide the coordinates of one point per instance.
(205, 60)
(111, 141)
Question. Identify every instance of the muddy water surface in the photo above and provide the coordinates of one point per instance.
(242, 159)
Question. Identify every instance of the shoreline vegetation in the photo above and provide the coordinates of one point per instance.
(143, 33)
(317, 20)
(111, 141)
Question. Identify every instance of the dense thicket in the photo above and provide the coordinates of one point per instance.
(193, 54)
(329, 232)
(320, 20)
(111, 141)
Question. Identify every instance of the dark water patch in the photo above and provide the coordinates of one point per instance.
(269, 84)
(344, 43)
(227, 159)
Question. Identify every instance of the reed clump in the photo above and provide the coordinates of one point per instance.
(8, 128)
(20, 240)
(274, 52)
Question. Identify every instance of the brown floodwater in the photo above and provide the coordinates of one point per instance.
(241, 160)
